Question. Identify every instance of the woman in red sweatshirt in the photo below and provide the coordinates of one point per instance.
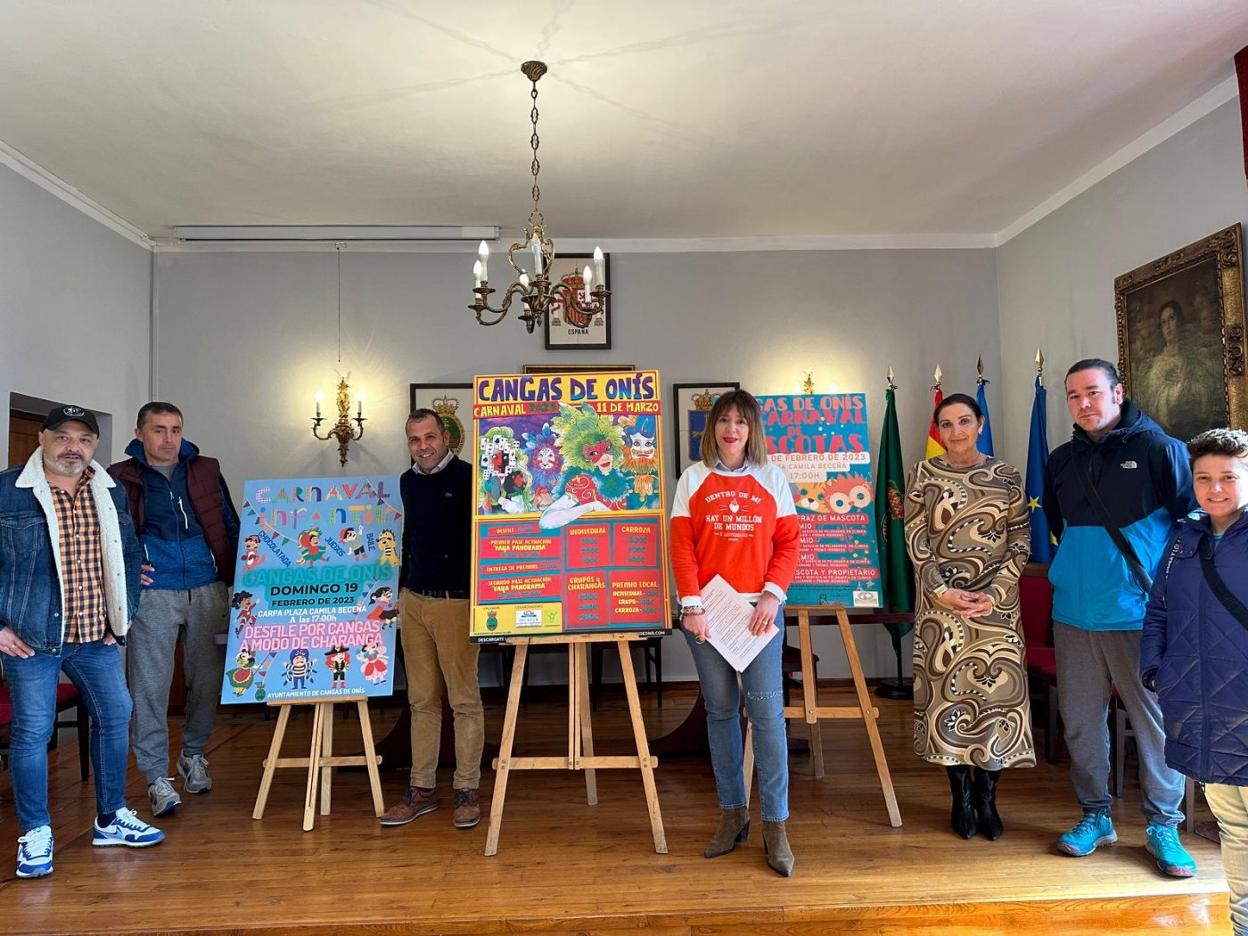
(734, 517)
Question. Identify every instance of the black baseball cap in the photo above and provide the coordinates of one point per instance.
(64, 414)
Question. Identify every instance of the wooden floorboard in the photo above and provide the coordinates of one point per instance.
(565, 867)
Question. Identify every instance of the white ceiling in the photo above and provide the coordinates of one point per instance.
(672, 119)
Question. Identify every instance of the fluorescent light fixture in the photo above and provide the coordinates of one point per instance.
(335, 232)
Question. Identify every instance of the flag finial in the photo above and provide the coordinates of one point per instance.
(938, 374)
(979, 365)
(808, 385)
(892, 384)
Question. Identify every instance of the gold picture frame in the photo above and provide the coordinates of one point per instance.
(1181, 336)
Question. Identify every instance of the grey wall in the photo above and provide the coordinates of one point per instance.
(1056, 279)
(74, 303)
(246, 338)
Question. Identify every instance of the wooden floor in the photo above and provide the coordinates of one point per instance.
(564, 867)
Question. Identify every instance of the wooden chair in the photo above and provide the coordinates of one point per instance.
(1036, 607)
(67, 697)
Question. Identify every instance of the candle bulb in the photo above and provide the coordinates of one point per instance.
(600, 266)
(476, 273)
(318, 404)
(483, 255)
(588, 277)
(536, 246)
(524, 281)
(359, 412)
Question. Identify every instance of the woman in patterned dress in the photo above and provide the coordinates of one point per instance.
(967, 533)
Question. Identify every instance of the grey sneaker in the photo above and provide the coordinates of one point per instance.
(194, 771)
(163, 796)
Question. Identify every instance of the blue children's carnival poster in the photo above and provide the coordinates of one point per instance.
(314, 610)
(820, 441)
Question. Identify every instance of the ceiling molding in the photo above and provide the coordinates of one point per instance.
(1205, 104)
(30, 170)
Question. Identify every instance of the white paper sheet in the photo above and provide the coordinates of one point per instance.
(728, 612)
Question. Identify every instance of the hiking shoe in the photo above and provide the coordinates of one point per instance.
(163, 797)
(1093, 831)
(34, 853)
(126, 829)
(467, 809)
(416, 802)
(1164, 845)
(194, 772)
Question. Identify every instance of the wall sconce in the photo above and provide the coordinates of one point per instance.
(342, 430)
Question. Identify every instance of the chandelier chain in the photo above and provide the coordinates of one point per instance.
(338, 251)
(534, 142)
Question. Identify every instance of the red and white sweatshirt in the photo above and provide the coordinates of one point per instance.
(741, 525)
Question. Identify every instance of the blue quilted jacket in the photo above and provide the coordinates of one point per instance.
(1196, 654)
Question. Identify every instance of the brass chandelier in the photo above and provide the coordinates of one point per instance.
(578, 303)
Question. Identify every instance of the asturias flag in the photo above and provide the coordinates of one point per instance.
(896, 572)
(1037, 458)
(984, 444)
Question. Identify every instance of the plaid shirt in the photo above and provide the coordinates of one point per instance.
(82, 562)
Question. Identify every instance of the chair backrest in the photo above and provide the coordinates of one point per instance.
(1035, 596)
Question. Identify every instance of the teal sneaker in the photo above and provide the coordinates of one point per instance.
(1093, 831)
(1164, 845)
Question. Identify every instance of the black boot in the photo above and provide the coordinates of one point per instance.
(963, 816)
(984, 790)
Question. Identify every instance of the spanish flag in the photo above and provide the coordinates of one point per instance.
(934, 447)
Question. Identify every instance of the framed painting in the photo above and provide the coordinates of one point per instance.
(691, 403)
(568, 329)
(1181, 336)
(453, 404)
(577, 368)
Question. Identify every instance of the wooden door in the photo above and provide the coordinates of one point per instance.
(23, 437)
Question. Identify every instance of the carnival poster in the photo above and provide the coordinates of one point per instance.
(821, 443)
(314, 612)
(568, 530)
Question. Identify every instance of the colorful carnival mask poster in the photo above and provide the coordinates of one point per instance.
(821, 443)
(568, 529)
(313, 613)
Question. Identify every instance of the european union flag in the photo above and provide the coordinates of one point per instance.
(984, 443)
(1037, 458)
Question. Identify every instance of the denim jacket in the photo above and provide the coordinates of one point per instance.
(31, 586)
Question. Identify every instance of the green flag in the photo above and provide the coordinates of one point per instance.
(896, 572)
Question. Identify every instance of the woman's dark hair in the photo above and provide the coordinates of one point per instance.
(1230, 442)
(968, 401)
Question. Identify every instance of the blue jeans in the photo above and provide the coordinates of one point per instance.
(764, 704)
(95, 668)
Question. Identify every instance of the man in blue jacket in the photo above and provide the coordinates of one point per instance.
(1112, 496)
(189, 532)
(69, 584)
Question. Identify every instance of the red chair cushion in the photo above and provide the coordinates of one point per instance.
(66, 695)
(1035, 596)
(1042, 661)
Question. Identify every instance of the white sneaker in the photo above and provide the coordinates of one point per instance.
(194, 771)
(126, 829)
(34, 853)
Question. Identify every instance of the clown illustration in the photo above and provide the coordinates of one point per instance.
(641, 463)
(373, 655)
(337, 659)
(847, 492)
(310, 549)
(545, 462)
(592, 446)
(300, 668)
(505, 476)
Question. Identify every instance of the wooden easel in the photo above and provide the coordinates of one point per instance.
(321, 760)
(812, 712)
(580, 754)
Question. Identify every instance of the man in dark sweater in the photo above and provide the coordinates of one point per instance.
(434, 609)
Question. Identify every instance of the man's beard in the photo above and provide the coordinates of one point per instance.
(68, 468)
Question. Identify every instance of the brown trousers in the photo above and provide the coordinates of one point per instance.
(437, 654)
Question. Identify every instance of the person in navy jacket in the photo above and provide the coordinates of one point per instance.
(1194, 652)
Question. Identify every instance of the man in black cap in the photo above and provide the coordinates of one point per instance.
(69, 585)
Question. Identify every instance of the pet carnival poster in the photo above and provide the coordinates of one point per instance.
(568, 530)
(314, 612)
(821, 443)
